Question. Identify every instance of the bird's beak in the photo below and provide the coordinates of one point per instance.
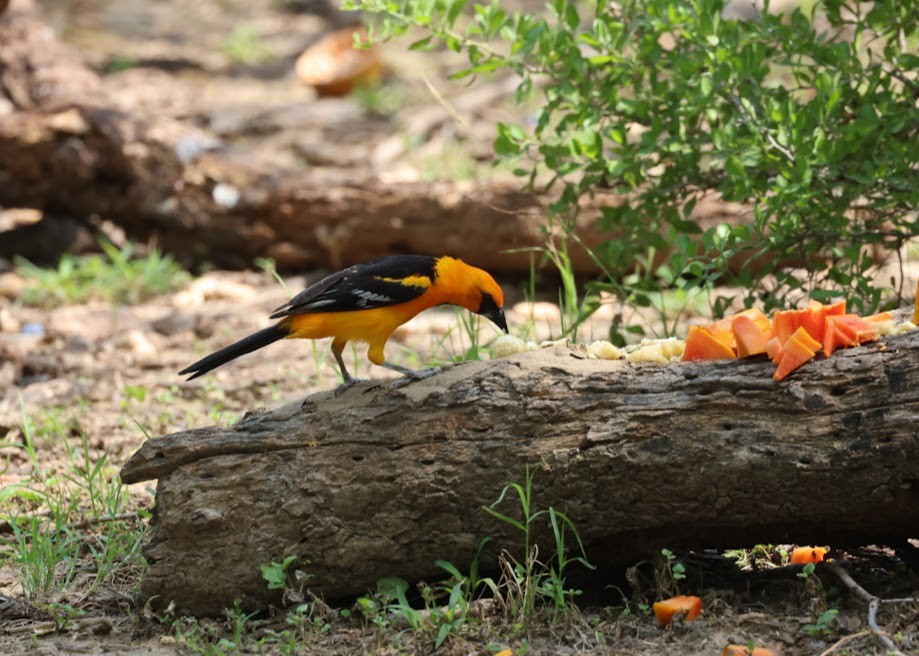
(497, 316)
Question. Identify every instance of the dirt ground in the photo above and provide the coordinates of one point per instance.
(109, 372)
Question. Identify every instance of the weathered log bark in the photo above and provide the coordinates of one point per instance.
(382, 481)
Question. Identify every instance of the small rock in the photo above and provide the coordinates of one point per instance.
(77, 344)
(538, 311)
(33, 329)
(95, 625)
(206, 327)
(47, 648)
(174, 323)
(141, 345)
(8, 321)
(16, 217)
(190, 148)
(9, 373)
(11, 285)
(70, 121)
(226, 195)
(212, 287)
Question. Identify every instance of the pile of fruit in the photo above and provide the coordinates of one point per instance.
(790, 338)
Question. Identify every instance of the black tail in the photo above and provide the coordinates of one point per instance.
(233, 351)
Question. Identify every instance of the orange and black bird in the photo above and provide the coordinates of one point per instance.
(366, 303)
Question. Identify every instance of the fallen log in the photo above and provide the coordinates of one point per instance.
(386, 479)
(70, 150)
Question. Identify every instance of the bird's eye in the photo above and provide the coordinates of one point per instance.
(488, 304)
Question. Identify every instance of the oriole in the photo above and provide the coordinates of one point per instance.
(366, 303)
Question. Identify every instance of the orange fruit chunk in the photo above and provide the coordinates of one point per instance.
(704, 344)
(666, 610)
(804, 555)
(800, 348)
(743, 650)
(749, 337)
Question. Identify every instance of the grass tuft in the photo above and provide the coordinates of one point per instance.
(68, 523)
(115, 275)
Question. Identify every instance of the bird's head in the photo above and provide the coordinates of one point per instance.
(473, 289)
(492, 303)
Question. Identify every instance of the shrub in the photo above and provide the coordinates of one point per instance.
(811, 121)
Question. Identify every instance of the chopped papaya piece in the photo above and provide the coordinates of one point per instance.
(804, 555)
(812, 319)
(785, 324)
(666, 610)
(829, 339)
(796, 351)
(761, 320)
(806, 339)
(865, 331)
(721, 330)
(839, 307)
(749, 337)
(837, 336)
(794, 355)
(916, 308)
(774, 350)
(880, 317)
(848, 330)
(702, 344)
(743, 650)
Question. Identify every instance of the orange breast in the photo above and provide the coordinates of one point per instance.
(373, 326)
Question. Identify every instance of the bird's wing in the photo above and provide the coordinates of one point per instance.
(381, 282)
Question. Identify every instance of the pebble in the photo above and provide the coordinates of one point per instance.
(11, 285)
(9, 372)
(141, 345)
(174, 323)
(212, 287)
(34, 329)
(95, 625)
(226, 195)
(8, 321)
(539, 311)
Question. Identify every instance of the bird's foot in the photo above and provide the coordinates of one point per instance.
(411, 375)
(349, 381)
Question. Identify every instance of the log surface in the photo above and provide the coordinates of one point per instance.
(384, 480)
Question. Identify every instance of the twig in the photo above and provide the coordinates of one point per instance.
(438, 96)
(422, 122)
(92, 521)
(873, 603)
(764, 130)
(839, 643)
(6, 526)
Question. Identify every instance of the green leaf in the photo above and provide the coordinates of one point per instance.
(572, 20)
(422, 44)
(392, 587)
(456, 8)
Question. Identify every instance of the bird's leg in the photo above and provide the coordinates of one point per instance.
(412, 374)
(347, 378)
